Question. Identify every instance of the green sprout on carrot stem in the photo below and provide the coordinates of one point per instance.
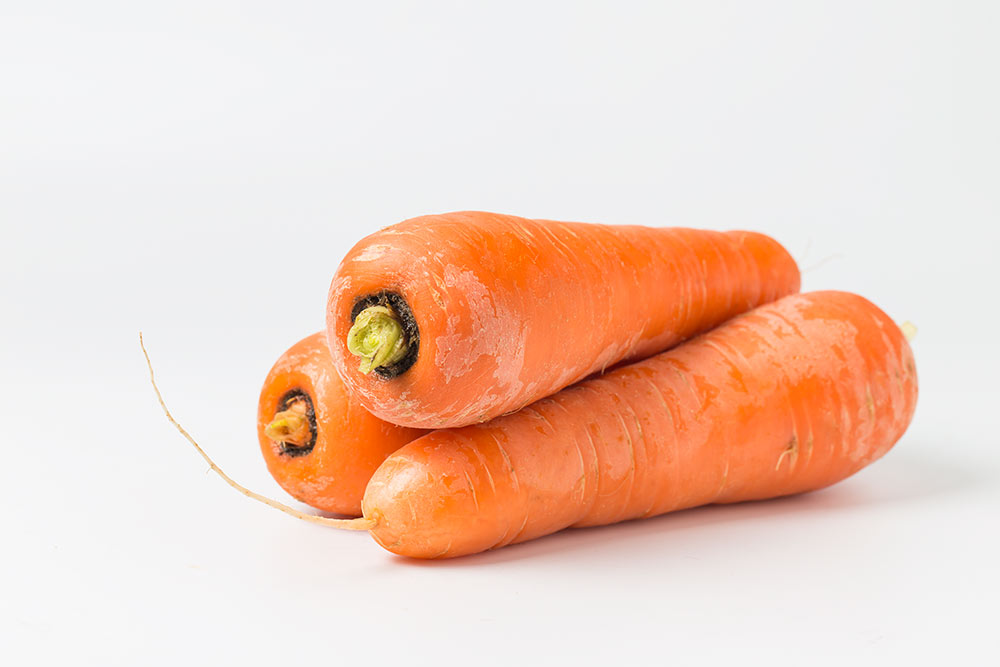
(377, 337)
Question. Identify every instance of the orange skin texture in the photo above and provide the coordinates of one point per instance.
(791, 397)
(350, 442)
(511, 310)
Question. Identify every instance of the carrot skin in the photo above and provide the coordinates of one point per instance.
(791, 397)
(350, 442)
(510, 310)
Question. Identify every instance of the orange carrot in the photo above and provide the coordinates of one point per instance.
(791, 397)
(320, 445)
(453, 319)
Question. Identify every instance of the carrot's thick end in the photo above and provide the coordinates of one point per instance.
(361, 523)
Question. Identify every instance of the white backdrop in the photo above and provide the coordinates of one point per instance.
(196, 170)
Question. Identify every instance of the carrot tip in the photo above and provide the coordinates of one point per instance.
(377, 337)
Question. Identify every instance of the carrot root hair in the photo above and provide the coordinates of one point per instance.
(361, 523)
(909, 330)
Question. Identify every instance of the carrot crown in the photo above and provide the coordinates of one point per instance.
(377, 337)
(291, 426)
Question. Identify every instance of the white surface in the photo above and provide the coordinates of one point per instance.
(195, 170)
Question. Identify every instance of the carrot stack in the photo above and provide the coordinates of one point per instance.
(578, 375)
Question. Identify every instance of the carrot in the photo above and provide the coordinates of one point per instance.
(448, 320)
(318, 442)
(791, 397)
